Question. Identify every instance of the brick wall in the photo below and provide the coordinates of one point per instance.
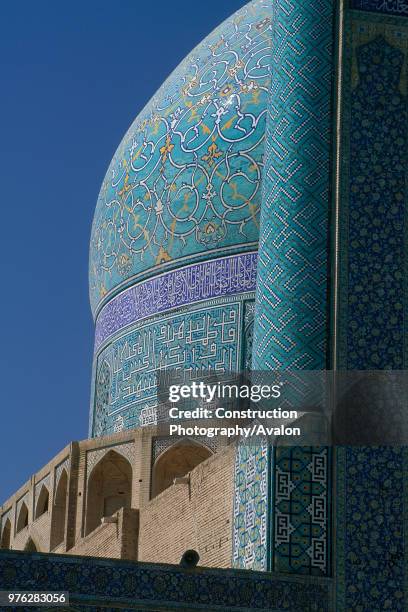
(116, 540)
(196, 515)
(105, 541)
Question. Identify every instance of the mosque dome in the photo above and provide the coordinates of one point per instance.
(185, 183)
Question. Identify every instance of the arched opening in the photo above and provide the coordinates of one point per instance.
(30, 546)
(42, 503)
(109, 489)
(6, 535)
(175, 462)
(22, 520)
(59, 511)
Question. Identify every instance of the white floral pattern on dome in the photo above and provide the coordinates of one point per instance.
(185, 182)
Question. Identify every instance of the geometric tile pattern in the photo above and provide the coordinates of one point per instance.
(249, 314)
(210, 279)
(290, 330)
(251, 507)
(185, 183)
(301, 493)
(392, 7)
(111, 585)
(290, 322)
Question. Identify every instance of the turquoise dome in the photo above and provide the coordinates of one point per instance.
(185, 183)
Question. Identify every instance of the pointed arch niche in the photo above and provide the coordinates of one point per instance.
(109, 489)
(59, 510)
(177, 461)
(42, 502)
(6, 535)
(22, 520)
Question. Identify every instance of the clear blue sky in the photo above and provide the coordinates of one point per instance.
(74, 75)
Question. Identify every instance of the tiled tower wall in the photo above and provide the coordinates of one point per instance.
(371, 499)
(282, 522)
(290, 329)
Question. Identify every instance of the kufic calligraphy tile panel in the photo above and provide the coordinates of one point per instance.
(206, 337)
